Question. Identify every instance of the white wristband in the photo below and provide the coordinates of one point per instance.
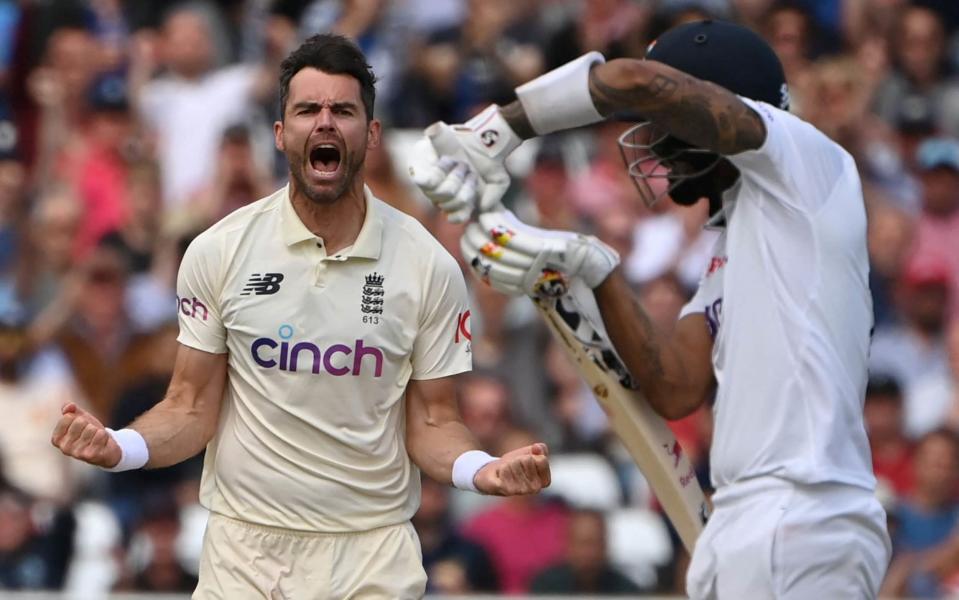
(560, 99)
(133, 450)
(467, 465)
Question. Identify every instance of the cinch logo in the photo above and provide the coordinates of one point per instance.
(192, 307)
(287, 355)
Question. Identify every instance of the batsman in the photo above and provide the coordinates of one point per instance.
(779, 328)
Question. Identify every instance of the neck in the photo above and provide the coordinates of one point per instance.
(337, 222)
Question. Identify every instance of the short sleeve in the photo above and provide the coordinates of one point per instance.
(442, 344)
(198, 297)
(797, 165)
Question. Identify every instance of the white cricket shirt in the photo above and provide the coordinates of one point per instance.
(787, 301)
(311, 434)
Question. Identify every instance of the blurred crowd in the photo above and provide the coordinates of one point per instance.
(126, 127)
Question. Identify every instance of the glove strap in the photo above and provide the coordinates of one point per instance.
(497, 139)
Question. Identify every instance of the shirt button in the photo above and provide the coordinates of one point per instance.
(319, 244)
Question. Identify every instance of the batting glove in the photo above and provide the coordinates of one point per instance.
(518, 259)
(460, 167)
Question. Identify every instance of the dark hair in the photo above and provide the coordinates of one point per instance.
(333, 54)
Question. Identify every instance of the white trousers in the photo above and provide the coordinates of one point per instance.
(243, 561)
(768, 538)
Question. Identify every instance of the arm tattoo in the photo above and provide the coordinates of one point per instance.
(697, 112)
(662, 87)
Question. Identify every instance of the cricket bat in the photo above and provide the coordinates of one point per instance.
(574, 319)
(576, 323)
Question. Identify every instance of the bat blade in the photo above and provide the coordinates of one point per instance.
(576, 324)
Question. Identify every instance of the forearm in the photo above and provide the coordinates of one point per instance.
(671, 386)
(174, 431)
(697, 112)
(435, 445)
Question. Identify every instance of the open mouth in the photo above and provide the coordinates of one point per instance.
(325, 159)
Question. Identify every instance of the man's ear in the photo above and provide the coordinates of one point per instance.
(373, 133)
(278, 136)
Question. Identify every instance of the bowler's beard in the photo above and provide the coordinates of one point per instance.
(325, 195)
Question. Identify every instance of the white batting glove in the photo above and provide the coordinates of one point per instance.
(518, 259)
(460, 167)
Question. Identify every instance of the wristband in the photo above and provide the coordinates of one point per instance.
(133, 450)
(560, 99)
(467, 465)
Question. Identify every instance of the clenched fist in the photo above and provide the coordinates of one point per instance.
(522, 471)
(80, 435)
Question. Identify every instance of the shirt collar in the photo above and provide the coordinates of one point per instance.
(368, 243)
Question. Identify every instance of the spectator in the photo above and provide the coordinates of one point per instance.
(131, 491)
(138, 236)
(616, 28)
(12, 206)
(34, 384)
(547, 188)
(59, 88)
(190, 106)
(939, 392)
(582, 423)
(485, 405)
(153, 549)
(891, 237)
(238, 180)
(521, 534)
(387, 181)
(34, 552)
(891, 449)
(914, 348)
(453, 564)
(927, 516)
(920, 70)
(98, 173)
(96, 334)
(938, 229)
(461, 69)
(586, 568)
(789, 28)
(46, 284)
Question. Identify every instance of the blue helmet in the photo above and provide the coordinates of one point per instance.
(729, 55)
(726, 54)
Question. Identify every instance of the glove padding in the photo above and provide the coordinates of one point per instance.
(517, 259)
(460, 167)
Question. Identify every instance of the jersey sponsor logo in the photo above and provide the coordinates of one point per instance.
(192, 307)
(372, 301)
(717, 263)
(262, 285)
(676, 451)
(714, 316)
(489, 137)
(463, 328)
(338, 360)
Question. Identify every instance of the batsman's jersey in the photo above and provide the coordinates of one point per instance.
(787, 301)
(321, 348)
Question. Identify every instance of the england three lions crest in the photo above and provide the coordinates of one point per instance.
(372, 299)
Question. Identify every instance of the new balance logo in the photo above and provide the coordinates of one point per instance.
(260, 285)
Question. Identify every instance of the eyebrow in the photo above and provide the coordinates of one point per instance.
(333, 106)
